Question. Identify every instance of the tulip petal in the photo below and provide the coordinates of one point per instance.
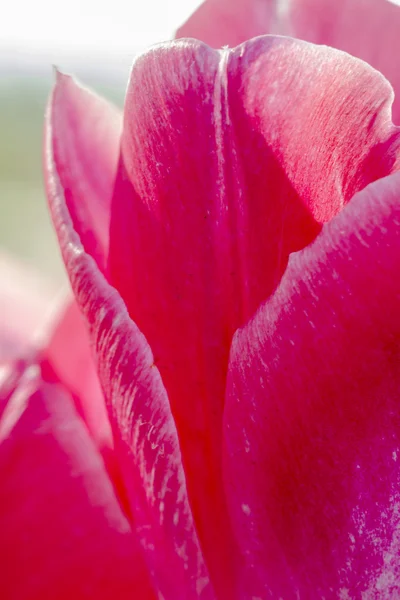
(63, 534)
(234, 160)
(170, 258)
(312, 429)
(144, 431)
(86, 138)
(367, 29)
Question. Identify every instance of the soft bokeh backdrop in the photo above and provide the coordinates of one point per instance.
(97, 41)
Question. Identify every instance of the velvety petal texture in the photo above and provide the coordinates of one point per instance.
(144, 431)
(230, 161)
(367, 29)
(63, 534)
(312, 429)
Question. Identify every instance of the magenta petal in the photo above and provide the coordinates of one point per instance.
(144, 430)
(312, 429)
(231, 160)
(170, 259)
(86, 138)
(63, 534)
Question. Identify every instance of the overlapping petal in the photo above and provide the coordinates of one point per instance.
(63, 534)
(143, 427)
(231, 160)
(312, 430)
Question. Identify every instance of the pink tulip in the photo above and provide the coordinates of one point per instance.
(233, 244)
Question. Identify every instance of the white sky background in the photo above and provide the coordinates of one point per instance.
(87, 29)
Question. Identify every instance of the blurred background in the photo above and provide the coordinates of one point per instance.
(96, 41)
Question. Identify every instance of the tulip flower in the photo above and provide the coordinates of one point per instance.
(232, 242)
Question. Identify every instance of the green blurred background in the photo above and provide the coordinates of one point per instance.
(24, 226)
(96, 40)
